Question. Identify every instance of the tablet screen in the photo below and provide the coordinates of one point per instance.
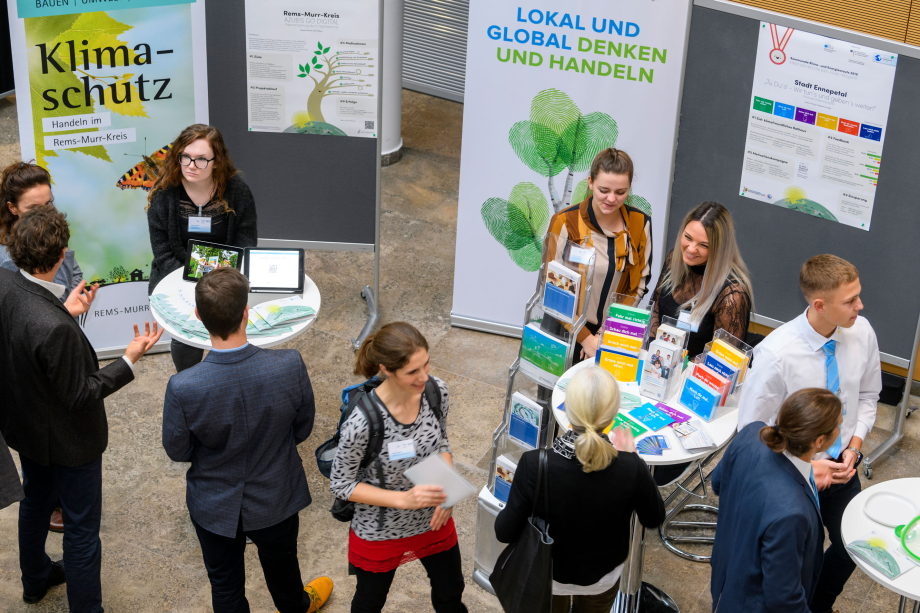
(274, 269)
(205, 257)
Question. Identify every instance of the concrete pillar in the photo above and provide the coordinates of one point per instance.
(391, 122)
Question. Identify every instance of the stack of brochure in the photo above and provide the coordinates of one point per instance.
(651, 417)
(883, 553)
(560, 292)
(542, 355)
(692, 435)
(526, 418)
(710, 383)
(653, 445)
(267, 319)
(505, 468)
(290, 311)
(621, 340)
(179, 315)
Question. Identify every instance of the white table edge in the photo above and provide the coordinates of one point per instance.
(665, 459)
(264, 342)
(892, 585)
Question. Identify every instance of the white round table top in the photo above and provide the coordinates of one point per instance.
(174, 283)
(720, 429)
(856, 523)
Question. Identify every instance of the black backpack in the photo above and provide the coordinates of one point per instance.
(356, 397)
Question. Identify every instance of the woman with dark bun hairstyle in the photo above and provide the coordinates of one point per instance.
(199, 195)
(395, 522)
(768, 550)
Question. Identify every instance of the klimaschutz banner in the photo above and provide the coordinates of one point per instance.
(535, 75)
(102, 88)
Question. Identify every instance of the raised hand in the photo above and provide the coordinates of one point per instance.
(142, 343)
(79, 301)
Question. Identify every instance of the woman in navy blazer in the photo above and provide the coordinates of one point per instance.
(768, 548)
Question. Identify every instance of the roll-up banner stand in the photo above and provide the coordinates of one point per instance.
(548, 86)
(101, 88)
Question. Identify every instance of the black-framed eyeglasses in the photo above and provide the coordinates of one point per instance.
(185, 160)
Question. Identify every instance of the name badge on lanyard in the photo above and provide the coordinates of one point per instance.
(200, 223)
(400, 450)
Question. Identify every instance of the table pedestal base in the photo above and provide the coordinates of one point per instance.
(649, 599)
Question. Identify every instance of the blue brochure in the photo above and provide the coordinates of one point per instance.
(651, 416)
(699, 398)
(723, 368)
(502, 489)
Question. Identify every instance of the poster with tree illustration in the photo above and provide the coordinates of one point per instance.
(312, 67)
(547, 87)
(108, 91)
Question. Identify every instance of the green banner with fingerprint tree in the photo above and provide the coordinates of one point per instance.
(558, 138)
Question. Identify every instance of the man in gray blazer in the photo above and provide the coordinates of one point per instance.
(238, 417)
(53, 410)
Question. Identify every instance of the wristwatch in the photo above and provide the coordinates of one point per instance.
(859, 455)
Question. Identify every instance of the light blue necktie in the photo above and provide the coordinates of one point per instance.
(833, 384)
(814, 486)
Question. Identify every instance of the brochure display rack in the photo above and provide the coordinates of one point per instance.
(661, 371)
(710, 387)
(553, 317)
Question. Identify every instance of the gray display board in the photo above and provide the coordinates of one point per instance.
(307, 187)
(775, 242)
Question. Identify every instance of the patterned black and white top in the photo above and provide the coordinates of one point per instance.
(425, 432)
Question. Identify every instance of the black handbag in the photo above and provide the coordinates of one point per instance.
(523, 575)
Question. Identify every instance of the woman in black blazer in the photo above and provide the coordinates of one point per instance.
(198, 195)
(594, 486)
(768, 551)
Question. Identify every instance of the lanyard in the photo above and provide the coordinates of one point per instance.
(778, 54)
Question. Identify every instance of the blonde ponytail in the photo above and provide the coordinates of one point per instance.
(592, 400)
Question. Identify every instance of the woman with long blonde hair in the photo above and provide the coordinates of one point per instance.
(199, 195)
(705, 275)
(592, 482)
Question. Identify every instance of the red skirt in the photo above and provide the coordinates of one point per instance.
(384, 556)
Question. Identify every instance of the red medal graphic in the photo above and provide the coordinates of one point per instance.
(778, 55)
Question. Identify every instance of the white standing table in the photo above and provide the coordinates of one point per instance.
(632, 589)
(856, 523)
(173, 283)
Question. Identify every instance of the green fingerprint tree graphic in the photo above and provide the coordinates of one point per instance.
(558, 138)
(519, 224)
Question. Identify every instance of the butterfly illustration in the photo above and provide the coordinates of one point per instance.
(145, 173)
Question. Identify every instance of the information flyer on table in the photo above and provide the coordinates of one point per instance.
(819, 113)
(312, 66)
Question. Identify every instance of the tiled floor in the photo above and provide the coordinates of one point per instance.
(151, 558)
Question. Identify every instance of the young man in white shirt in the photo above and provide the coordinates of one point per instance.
(828, 346)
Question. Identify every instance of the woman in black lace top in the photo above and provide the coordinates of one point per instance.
(708, 277)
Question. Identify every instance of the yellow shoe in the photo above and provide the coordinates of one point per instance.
(319, 591)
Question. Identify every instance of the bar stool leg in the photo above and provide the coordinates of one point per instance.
(917, 606)
(669, 539)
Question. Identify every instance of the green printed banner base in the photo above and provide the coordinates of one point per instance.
(48, 8)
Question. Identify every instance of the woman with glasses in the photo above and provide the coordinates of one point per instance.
(199, 195)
